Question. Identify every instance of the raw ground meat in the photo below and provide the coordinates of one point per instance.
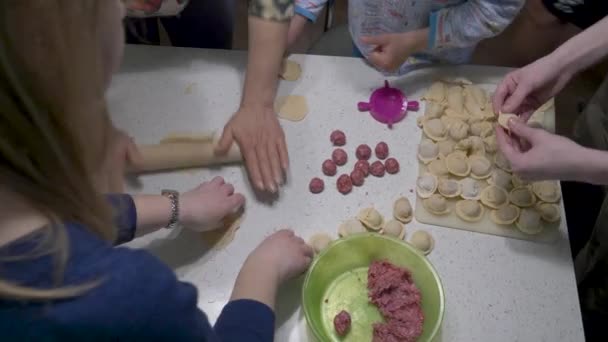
(363, 152)
(381, 150)
(344, 184)
(339, 156)
(316, 185)
(392, 290)
(342, 323)
(391, 165)
(362, 165)
(329, 168)
(377, 169)
(338, 138)
(357, 177)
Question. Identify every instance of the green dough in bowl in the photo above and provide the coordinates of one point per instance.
(337, 280)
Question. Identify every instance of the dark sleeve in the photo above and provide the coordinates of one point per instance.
(245, 320)
(579, 13)
(124, 216)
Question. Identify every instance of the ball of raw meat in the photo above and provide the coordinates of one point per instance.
(381, 150)
(342, 323)
(316, 185)
(344, 184)
(377, 169)
(338, 138)
(329, 168)
(391, 165)
(339, 157)
(363, 166)
(357, 177)
(364, 152)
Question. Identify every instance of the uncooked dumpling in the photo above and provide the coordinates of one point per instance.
(394, 228)
(494, 197)
(458, 164)
(505, 215)
(449, 187)
(517, 181)
(474, 109)
(501, 161)
(549, 212)
(446, 147)
(546, 191)
(455, 115)
(470, 189)
(436, 205)
(458, 130)
(427, 151)
(351, 227)
(436, 92)
(522, 197)
(481, 167)
(426, 185)
(433, 110)
(402, 210)
(477, 146)
(504, 118)
(478, 95)
(319, 242)
(529, 221)
(438, 168)
(469, 210)
(490, 143)
(455, 98)
(422, 241)
(370, 218)
(501, 179)
(482, 129)
(435, 129)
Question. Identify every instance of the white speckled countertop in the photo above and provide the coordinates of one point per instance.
(496, 288)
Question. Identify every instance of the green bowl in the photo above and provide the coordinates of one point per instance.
(337, 280)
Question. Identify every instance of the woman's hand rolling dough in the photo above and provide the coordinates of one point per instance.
(526, 89)
(536, 154)
(283, 254)
(262, 143)
(204, 207)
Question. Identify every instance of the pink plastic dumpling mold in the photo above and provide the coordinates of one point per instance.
(388, 105)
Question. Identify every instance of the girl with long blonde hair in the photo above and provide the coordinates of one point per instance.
(60, 275)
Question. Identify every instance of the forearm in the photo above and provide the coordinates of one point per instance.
(256, 283)
(296, 28)
(592, 166)
(153, 213)
(267, 44)
(582, 50)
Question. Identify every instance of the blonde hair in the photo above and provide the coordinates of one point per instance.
(54, 126)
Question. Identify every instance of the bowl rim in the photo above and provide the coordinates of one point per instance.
(437, 326)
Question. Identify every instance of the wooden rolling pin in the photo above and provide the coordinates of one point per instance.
(181, 155)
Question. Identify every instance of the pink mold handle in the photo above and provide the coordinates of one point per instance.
(388, 105)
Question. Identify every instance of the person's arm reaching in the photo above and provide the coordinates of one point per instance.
(524, 90)
(306, 11)
(255, 126)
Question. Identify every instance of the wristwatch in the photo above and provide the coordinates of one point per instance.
(174, 197)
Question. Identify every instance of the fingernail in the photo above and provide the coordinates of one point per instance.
(260, 186)
(273, 189)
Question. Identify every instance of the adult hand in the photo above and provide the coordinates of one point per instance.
(284, 253)
(204, 207)
(262, 143)
(536, 154)
(391, 50)
(526, 89)
(123, 156)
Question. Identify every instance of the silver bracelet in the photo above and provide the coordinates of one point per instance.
(174, 197)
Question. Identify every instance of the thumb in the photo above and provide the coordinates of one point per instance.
(225, 142)
(381, 39)
(523, 131)
(515, 100)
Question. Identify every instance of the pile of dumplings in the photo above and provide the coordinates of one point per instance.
(464, 174)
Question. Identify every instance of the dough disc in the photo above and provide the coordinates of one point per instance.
(291, 70)
(291, 107)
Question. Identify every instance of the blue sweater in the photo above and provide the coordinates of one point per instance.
(138, 297)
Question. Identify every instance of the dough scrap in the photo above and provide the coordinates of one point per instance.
(319, 242)
(423, 242)
(222, 237)
(371, 219)
(394, 228)
(469, 210)
(291, 107)
(351, 227)
(291, 70)
(402, 210)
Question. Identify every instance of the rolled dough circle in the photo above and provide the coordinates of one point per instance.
(291, 107)
(291, 70)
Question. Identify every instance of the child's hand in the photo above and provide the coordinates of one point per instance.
(204, 207)
(393, 49)
(284, 254)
